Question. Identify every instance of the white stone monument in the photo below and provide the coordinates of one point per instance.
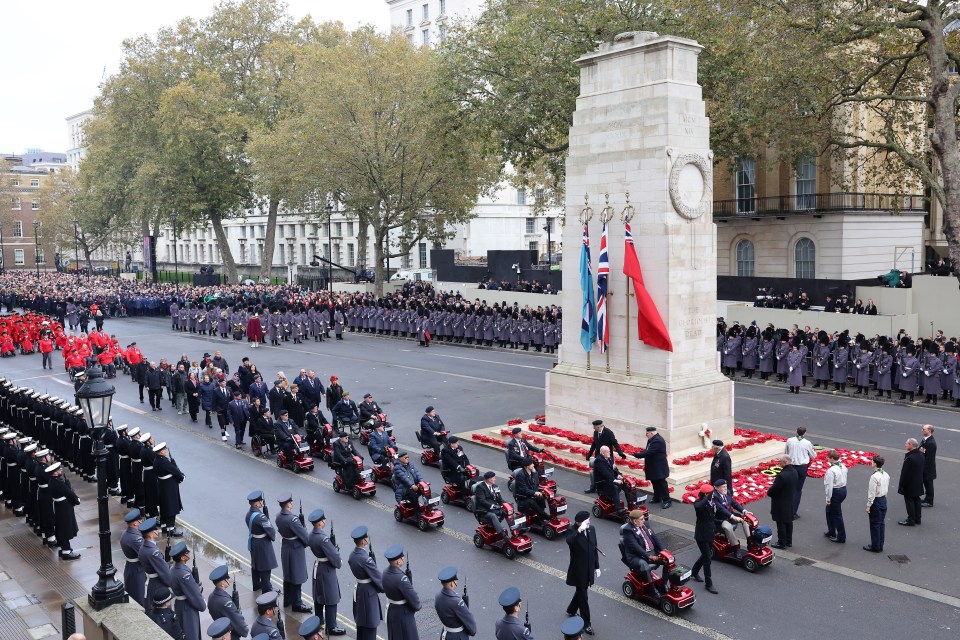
(640, 128)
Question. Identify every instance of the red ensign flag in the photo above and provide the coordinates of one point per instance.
(649, 323)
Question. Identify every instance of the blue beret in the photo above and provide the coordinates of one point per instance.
(447, 574)
(219, 628)
(149, 525)
(393, 552)
(720, 482)
(178, 549)
(268, 598)
(133, 514)
(220, 573)
(316, 515)
(359, 533)
(286, 496)
(310, 626)
(572, 628)
(255, 495)
(509, 597)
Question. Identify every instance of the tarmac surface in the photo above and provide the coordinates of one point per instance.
(817, 587)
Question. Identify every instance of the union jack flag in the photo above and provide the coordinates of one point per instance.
(603, 270)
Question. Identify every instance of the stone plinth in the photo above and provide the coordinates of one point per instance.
(641, 128)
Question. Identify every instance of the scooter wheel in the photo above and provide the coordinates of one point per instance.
(597, 511)
(440, 525)
(279, 462)
(297, 469)
(468, 505)
(750, 564)
(336, 487)
(549, 533)
(356, 493)
(423, 461)
(509, 551)
(627, 588)
(422, 524)
(478, 541)
(397, 515)
(667, 606)
(444, 498)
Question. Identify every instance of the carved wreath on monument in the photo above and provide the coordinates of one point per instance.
(691, 185)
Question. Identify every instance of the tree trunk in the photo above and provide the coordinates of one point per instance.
(269, 243)
(226, 256)
(378, 261)
(147, 275)
(362, 235)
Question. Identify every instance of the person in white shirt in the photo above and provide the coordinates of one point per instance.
(835, 485)
(877, 489)
(801, 453)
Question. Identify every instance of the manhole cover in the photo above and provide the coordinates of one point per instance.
(900, 559)
(674, 541)
(803, 562)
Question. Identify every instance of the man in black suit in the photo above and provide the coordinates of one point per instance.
(584, 566)
(911, 482)
(640, 546)
(609, 479)
(602, 437)
(657, 469)
(781, 494)
(518, 449)
(721, 468)
(706, 528)
(928, 447)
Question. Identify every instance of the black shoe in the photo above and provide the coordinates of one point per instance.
(711, 588)
(796, 516)
(73, 555)
(778, 546)
(838, 540)
(588, 630)
(336, 631)
(926, 504)
(867, 547)
(666, 504)
(301, 608)
(589, 490)
(696, 578)
(906, 523)
(176, 532)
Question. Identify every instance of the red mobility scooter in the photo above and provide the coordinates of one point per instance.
(429, 457)
(429, 513)
(365, 485)
(302, 461)
(487, 536)
(674, 578)
(603, 507)
(453, 494)
(756, 555)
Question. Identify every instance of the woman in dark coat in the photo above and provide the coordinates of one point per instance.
(584, 565)
(192, 389)
(206, 398)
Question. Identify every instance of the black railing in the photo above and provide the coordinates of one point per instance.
(816, 203)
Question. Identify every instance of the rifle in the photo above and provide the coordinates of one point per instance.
(280, 626)
(166, 551)
(466, 598)
(371, 553)
(526, 620)
(235, 597)
(333, 536)
(194, 572)
(303, 521)
(408, 571)
(265, 511)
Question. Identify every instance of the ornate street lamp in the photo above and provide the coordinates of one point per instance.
(76, 247)
(36, 244)
(96, 399)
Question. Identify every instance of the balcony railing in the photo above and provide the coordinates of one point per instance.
(817, 203)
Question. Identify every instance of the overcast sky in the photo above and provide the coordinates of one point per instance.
(56, 52)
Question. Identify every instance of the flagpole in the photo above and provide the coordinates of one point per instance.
(626, 216)
(586, 213)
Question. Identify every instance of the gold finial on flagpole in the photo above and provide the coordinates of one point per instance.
(628, 211)
(586, 214)
(607, 213)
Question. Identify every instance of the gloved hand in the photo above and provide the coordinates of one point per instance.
(597, 573)
(583, 526)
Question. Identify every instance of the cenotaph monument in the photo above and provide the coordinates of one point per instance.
(640, 154)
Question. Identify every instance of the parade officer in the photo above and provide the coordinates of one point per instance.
(509, 626)
(169, 478)
(455, 616)
(267, 612)
(326, 587)
(134, 577)
(64, 501)
(222, 607)
(403, 598)
(367, 611)
(151, 559)
(572, 628)
(189, 595)
(262, 533)
(310, 629)
(293, 556)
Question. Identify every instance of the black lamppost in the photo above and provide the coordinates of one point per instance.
(76, 247)
(36, 244)
(549, 229)
(96, 398)
(176, 262)
(329, 249)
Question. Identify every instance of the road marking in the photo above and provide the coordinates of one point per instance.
(347, 622)
(842, 413)
(49, 375)
(505, 364)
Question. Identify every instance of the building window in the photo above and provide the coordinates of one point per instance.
(15, 204)
(426, 37)
(282, 259)
(338, 232)
(423, 255)
(540, 195)
(443, 7)
(15, 182)
(17, 229)
(303, 254)
(410, 38)
(806, 184)
(35, 205)
(351, 256)
(426, 12)
(41, 259)
(443, 33)
(243, 252)
(533, 245)
(745, 259)
(746, 185)
(35, 182)
(521, 196)
(409, 17)
(18, 256)
(805, 255)
(350, 229)
(531, 225)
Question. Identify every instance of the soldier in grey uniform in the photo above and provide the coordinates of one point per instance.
(455, 616)
(267, 613)
(134, 577)
(326, 587)
(221, 606)
(293, 554)
(509, 626)
(188, 593)
(263, 559)
(403, 598)
(367, 611)
(151, 559)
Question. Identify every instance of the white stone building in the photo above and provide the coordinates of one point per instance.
(77, 147)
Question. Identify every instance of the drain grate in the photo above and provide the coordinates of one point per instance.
(11, 626)
(674, 541)
(900, 559)
(38, 557)
(804, 562)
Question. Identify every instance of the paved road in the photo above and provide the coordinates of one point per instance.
(860, 593)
